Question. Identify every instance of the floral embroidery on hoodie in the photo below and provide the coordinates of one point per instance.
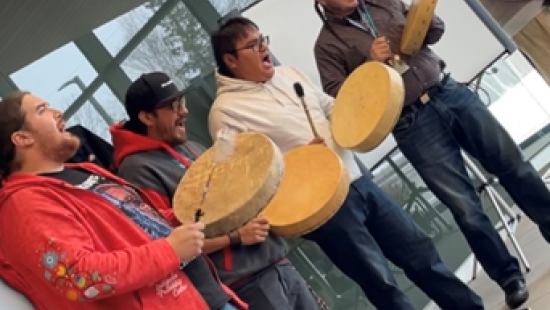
(76, 285)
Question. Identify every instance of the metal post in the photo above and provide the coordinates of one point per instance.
(122, 55)
(99, 58)
(97, 106)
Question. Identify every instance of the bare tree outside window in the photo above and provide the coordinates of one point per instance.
(178, 46)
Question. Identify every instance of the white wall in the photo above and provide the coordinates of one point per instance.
(12, 300)
(293, 27)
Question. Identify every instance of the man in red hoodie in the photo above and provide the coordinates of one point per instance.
(152, 151)
(77, 236)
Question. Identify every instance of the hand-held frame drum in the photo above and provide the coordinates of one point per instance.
(239, 187)
(314, 187)
(419, 18)
(367, 107)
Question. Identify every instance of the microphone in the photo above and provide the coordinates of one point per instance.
(299, 90)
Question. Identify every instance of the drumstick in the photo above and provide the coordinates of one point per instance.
(199, 213)
(300, 93)
(224, 149)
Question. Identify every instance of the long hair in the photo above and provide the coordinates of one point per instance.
(12, 119)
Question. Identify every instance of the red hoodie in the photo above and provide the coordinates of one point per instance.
(61, 250)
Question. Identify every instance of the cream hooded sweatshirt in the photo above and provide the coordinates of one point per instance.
(274, 109)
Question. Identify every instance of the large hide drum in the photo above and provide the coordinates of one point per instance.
(240, 187)
(314, 187)
(367, 107)
(419, 18)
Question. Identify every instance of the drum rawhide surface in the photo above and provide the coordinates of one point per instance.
(419, 18)
(239, 189)
(367, 107)
(314, 186)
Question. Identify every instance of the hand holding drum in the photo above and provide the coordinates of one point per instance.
(380, 50)
(255, 231)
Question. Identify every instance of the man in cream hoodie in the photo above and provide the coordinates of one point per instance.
(370, 227)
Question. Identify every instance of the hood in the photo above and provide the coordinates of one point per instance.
(126, 142)
(227, 84)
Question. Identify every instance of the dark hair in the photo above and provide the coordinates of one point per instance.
(136, 126)
(12, 119)
(224, 40)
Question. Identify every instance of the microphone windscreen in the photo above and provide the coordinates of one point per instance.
(299, 90)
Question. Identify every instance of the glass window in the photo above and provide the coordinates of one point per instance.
(178, 46)
(46, 76)
(225, 6)
(119, 31)
(99, 112)
(512, 80)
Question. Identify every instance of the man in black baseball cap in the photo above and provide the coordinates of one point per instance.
(156, 108)
(151, 151)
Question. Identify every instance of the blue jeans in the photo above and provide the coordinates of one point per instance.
(229, 306)
(431, 137)
(278, 288)
(369, 229)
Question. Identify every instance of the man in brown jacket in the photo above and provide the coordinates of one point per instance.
(440, 118)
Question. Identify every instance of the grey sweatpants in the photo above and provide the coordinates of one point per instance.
(278, 288)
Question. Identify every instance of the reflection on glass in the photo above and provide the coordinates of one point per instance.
(118, 32)
(178, 46)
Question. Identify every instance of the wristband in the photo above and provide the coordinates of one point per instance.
(234, 238)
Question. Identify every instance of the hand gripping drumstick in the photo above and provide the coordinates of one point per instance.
(300, 93)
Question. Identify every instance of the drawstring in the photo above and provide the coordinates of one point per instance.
(178, 156)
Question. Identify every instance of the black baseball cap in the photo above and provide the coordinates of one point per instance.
(148, 91)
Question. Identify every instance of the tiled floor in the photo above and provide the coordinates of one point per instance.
(538, 254)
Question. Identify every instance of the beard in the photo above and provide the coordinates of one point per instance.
(61, 148)
(172, 136)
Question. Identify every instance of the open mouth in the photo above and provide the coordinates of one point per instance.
(266, 60)
(181, 122)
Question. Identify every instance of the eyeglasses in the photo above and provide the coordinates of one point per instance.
(256, 45)
(177, 105)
